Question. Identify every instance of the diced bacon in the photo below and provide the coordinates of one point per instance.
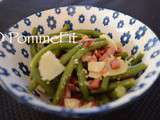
(98, 54)
(93, 59)
(67, 92)
(94, 84)
(115, 64)
(102, 51)
(87, 57)
(87, 43)
(73, 87)
(85, 37)
(109, 52)
(104, 71)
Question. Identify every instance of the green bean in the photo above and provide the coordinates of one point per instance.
(92, 33)
(138, 59)
(82, 80)
(70, 67)
(123, 55)
(56, 53)
(104, 84)
(66, 57)
(103, 100)
(33, 50)
(131, 72)
(35, 75)
(39, 46)
(127, 83)
(118, 92)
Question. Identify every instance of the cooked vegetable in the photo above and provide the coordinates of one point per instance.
(70, 67)
(138, 59)
(118, 92)
(103, 100)
(82, 80)
(66, 57)
(131, 72)
(104, 84)
(35, 75)
(123, 55)
(127, 83)
(92, 71)
(91, 33)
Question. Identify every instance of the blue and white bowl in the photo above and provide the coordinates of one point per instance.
(131, 33)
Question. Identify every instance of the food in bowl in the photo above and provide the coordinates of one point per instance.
(90, 71)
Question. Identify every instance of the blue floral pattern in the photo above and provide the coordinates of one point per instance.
(106, 21)
(93, 19)
(24, 68)
(88, 7)
(134, 50)
(8, 47)
(115, 14)
(151, 43)
(110, 35)
(16, 72)
(120, 24)
(27, 21)
(57, 10)
(132, 21)
(155, 54)
(81, 18)
(4, 71)
(100, 9)
(26, 98)
(141, 32)
(25, 53)
(2, 54)
(125, 38)
(38, 14)
(98, 30)
(150, 74)
(40, 29)
(25, 33)
(71, 10)
(158, 64)
(16, 26)
(18, 88)
(51, 22)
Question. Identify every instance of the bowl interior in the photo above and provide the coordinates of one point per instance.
(132, 34)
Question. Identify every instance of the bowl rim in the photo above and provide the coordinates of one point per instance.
(80, 112)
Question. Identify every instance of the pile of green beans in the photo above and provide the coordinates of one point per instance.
(111, 87)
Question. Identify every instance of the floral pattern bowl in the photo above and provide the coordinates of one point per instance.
(131, 33)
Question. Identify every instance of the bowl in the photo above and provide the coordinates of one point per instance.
(132, 34)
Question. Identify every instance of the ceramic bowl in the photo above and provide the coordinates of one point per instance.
(128, 31)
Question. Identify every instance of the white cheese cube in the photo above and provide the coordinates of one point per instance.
(96, 66)
(71, 103)
(49, 66)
